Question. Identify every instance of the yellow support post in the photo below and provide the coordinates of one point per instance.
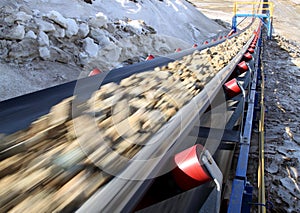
(261, 166)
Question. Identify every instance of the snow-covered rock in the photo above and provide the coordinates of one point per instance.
(59, 55)
(44, 25)
(72, 28)
(99, 36)
(30, 34)
(58, 18)
(43, 39)
(111, 52)
(90, 47)
(59, 32)
(44, 53)
(84, 58)
(99, 21)
(16, 32)
(83, 30)
(23, 50)
(23, 17)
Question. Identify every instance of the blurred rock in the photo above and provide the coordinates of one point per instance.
(44, 25)
(44, 53)
(30, 34)
(57, 18)
(72, 28)
(43, 39)
(99, 21)
(83, 30)
(59, 32)
(23, 50)
(90, 47)
(99, 36)
(17, 32)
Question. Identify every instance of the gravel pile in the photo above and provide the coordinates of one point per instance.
(29, 35)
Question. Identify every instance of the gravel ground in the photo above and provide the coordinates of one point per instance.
(282, 71)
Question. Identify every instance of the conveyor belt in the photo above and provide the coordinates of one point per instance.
(123, 192)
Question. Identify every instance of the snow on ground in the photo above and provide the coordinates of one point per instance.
(47, 42)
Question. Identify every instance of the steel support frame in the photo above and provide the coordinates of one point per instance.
(240, 195)
(262, 17)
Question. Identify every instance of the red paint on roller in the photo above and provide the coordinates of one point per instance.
(252, 46)
(189, 171)
(242, 67)
(95, 71)
(247, 56)
(178, 50)
(150, 57)
(251, 50)
(231, 32)
(232, 88)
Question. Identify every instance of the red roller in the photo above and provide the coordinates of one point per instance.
(150, 57)
(251, 50)
(231, 32)
(247, 56)
(190, 171)
(252, 46)
(195, 45)
(232, 88)
(95, 71)
(178, 50)
(242, 67)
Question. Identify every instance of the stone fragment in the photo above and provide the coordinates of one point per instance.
(24, 49)
(23, 17)
(72, 28)
(17, 32)
(44, 25)
(59, 32)
(43, 39)
(59, 55)
(30, 34)
(83, 58)
(44, 53)
(58, 18)
(90, 47)
(99, 21)
(61, 112)
(272, 168)
(99, 36)
(111, 52)
(83, 30)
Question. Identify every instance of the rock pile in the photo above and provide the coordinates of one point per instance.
(28, 35)
(61, 160)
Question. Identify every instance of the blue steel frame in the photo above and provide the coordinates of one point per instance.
(240, 195)
(263, 17)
